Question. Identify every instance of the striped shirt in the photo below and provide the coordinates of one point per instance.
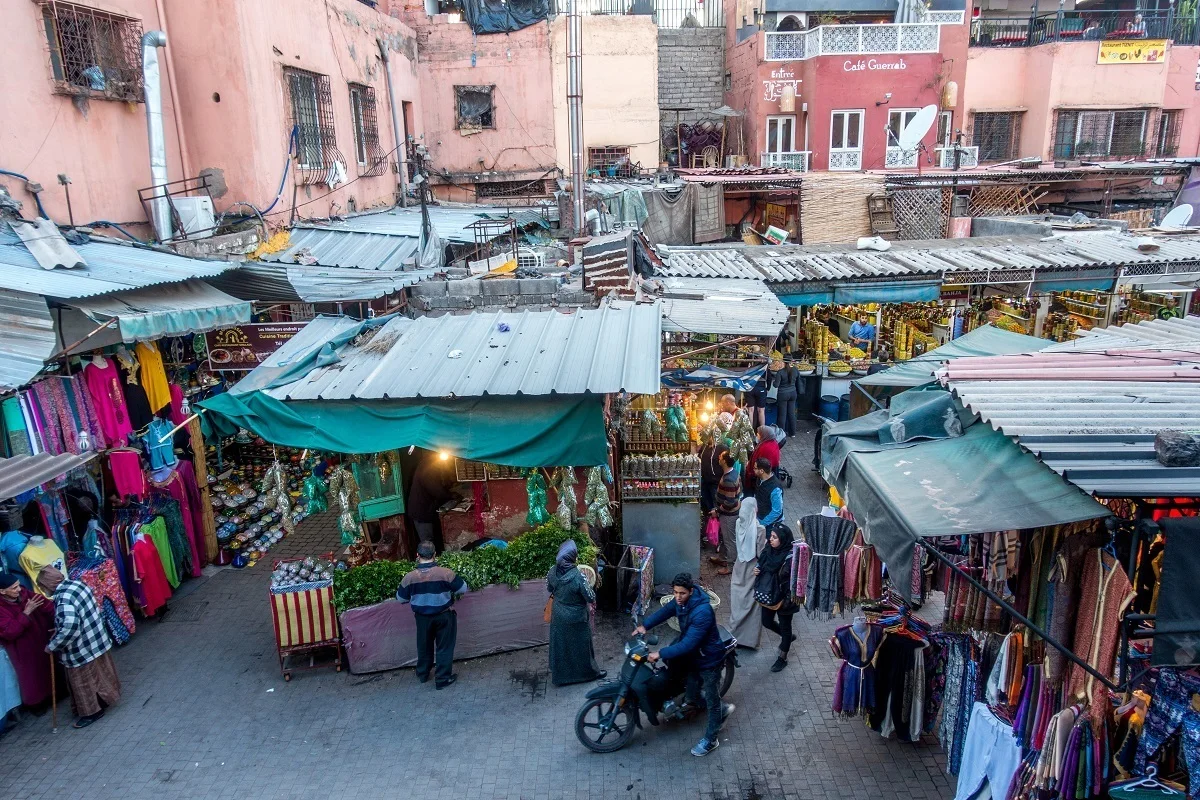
(729, 492)
(431, 589)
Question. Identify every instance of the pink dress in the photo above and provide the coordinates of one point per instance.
(104, 386)
(177, 488)
(177, 416)
(128, 478)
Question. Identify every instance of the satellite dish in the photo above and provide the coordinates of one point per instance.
(910, 138)
(1177, 217)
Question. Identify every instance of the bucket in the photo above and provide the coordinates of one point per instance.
(844, 408)
(828, 407)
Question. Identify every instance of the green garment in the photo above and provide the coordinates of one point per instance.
(157, 531)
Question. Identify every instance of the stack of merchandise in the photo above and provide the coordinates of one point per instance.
(248, 523)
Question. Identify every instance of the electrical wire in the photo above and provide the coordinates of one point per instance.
(103, 223)
(36, 198)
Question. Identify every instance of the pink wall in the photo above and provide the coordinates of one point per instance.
(102, 148)
(245, 133)
(518, 64)
(1066, 75)
(834, 82)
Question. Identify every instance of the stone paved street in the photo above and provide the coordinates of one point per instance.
(206, 714)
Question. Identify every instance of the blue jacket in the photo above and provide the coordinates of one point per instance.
(698, 639)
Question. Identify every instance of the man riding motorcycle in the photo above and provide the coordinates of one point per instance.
(697, 652)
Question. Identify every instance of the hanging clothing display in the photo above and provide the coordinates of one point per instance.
(137, 404)
(829, 537)
(160, 444)
(104, 387)
(991, 755)
(854, 688)
(38, 554)
(150, 575)
(100, 575)
(1105, 594)
(156, 530)
(180, 484)
(1175, 708)
(128, 478)
(153, 377)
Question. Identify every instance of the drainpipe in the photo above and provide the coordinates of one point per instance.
(575, 108)
(401, 144)
(160, 209)
(176, 103)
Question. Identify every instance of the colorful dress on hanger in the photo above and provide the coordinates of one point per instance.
(1104, 595)
(854, 689)
(152, 579)
(128, 478)
(176, 485)
(153, 377)
(37, 556)
(108, 398)
(156, 529)
(102, 579)
(160, 444)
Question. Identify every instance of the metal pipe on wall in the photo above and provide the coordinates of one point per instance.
(575, 109)
(401, 144)
(160, 208)
(176, 102)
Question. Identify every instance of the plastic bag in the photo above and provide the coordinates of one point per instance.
(712, 531)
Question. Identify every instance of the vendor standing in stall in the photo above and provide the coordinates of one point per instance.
(431, 488)
(862, 332)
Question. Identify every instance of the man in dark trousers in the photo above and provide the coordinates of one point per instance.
(431, 590)
(769, 495)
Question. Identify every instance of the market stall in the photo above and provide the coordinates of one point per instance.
(498, 418)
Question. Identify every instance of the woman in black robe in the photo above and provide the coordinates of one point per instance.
(572, 659)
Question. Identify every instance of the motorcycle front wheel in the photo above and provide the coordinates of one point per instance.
(603, 727)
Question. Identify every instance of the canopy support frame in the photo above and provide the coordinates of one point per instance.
(1017, 615)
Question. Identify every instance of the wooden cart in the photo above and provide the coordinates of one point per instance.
(305, 622)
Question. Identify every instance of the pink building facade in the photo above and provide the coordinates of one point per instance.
(246, 85)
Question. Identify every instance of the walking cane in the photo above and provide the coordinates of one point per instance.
(53, 697)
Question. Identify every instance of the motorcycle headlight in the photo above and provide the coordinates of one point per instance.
(627, 648)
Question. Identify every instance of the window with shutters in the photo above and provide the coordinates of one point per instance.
(367, 151)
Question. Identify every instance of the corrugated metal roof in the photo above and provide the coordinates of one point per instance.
(722, 306)
(333, 285)
(795, 263)
(45, 242)
(1154, 332)
(19, 474)
(358, 249)
(112, 266)
(27, 331)
(610, 349)
(1090, 417)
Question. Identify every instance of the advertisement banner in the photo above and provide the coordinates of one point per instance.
(1148, 51)
(244, 347)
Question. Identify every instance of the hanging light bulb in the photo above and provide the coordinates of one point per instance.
(444, 455)
(705, 416)
(708, 405)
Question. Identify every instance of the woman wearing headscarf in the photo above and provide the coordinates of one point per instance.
(745, 621)
(772, 592)
(26, 624)
(572, 659)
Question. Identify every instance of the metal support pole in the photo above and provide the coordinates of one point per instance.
(397, 136)
(1017, 615)
(575, 109)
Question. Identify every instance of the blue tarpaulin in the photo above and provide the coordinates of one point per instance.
(888, 292)
(740, 380)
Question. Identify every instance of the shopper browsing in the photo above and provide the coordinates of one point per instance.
(432, 590)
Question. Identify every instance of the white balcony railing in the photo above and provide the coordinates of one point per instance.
(895, 158)
(891, 38)
(967, 157)
(845, 160)
(945, 17)
(796, 161)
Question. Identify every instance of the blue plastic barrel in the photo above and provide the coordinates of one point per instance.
(844, 408)
(828, 407)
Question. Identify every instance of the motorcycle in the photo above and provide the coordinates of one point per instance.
(611, 711)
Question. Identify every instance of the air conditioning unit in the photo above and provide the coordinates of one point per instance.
(195, 216)
(530, 259)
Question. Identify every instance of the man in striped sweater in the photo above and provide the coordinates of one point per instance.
(431, 590)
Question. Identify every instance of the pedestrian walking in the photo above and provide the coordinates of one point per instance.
(769, 494)
(729, 498)
(431, 591)
(790, 385)
(772, 576)
(572, 656)
(745, 621)
(83, 644)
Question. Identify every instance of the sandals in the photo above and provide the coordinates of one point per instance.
(83, 722)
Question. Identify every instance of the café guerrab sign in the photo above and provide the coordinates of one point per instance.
(1146, 51)
(874, 65)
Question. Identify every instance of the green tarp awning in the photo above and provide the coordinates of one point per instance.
(175, 309)
(987, 340)
(547, 431)
(976, 482)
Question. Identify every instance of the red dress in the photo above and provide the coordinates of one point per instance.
(149, 572)
(25, 638)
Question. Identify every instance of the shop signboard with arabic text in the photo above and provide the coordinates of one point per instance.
(244, 347)
(1145, 51)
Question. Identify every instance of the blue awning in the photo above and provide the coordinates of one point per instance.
(168, 310)
(817, 297)
(888, 292)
